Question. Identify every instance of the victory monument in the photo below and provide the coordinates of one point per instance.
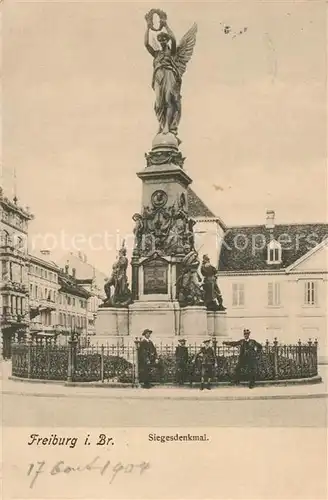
(172, 292)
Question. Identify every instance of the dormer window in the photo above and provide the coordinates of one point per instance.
(274, 252)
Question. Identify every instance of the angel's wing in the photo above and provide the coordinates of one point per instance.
(186, 48)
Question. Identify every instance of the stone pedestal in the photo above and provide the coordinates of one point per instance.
(162, 317)
(216, 323)
(112, 322)
(193, 322)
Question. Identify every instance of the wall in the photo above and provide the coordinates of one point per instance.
(289, 322)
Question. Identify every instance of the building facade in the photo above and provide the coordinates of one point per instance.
(14, 292)
(43, 292)
(274, 281)
(58, 303)
(72, 313)
(89, 278)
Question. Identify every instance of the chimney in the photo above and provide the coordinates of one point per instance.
(66, 269)
(45, 252)
(270, 219)
(74, 272)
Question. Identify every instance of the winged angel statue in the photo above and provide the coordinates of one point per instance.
(170, 63)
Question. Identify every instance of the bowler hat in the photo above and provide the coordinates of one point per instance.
(182, 340)
(147, 331)
(206, 341)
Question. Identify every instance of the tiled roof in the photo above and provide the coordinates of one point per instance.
(196, 207)
(244, 248)
(69, 284)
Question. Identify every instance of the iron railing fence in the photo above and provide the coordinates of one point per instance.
(76, 361)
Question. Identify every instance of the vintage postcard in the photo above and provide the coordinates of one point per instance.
(164, 250)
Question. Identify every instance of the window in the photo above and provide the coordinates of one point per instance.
(274, 294)
(46, 274)
(73, 302)
(42, 273)
(310, 293)
(5, 239)
(68, 300)
(238, 294)
(274, 252)
(19, 244)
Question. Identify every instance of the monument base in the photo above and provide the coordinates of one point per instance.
(193, 322)
(216, 323)
(165, 318)
(112, 322)
(162, 317)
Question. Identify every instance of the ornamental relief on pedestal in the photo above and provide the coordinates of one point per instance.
(163, 228)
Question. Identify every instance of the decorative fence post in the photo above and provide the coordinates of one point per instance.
(136, 362)
(102, 363)
(275, 358)
(72, 342)
(29, 357)
(215, 348)
(315, 356)
(215, 345)
(310, 357)
(299, 355)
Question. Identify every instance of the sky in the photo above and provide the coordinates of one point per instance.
(78, 114)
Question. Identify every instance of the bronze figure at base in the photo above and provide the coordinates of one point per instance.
(212, 294)
(122, 296)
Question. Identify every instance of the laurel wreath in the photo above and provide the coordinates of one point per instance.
(150, 19)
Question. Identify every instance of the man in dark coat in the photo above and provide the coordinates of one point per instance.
(249, 350)
(147, 358)
(206, 358)
(181, 362)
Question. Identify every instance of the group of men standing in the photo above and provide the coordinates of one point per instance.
(205, 360)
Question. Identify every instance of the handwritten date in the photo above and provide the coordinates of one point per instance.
(107, 468)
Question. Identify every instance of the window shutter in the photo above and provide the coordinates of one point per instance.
(234, 294)
(306, 285)
(241, 295)
(270, 294)
(315, 292)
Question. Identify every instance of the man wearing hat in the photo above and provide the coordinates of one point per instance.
(181, 362)
(147, 357)
(247, 361)
(206, 357)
